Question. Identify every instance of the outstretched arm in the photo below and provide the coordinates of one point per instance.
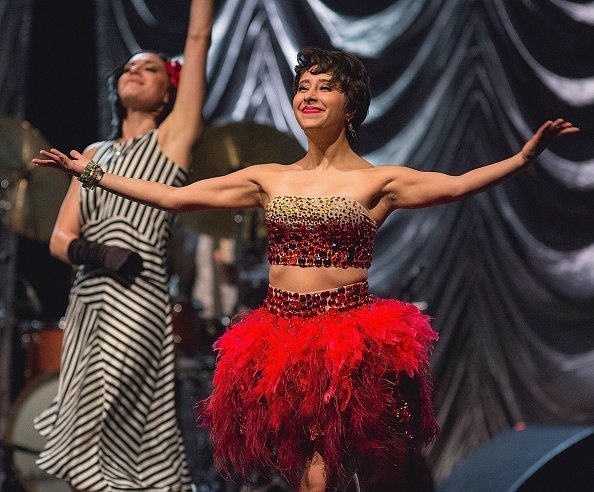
(237, 190)
(409, 188)
(185, 124)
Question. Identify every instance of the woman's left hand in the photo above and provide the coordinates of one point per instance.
(75, 164)
(545, 135)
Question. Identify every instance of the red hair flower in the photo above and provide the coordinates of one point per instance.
(173, 70)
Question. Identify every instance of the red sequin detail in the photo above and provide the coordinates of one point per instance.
(314, 432)
(289, 304)
(319, 232)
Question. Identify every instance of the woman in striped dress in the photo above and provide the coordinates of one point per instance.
(112, 425)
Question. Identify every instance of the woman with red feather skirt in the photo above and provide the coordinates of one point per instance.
(323, 375)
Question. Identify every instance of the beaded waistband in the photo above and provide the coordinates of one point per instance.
(288, 304)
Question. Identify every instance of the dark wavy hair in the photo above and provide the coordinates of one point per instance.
(347, 71)
(118, 112)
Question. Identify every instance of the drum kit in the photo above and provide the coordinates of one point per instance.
(222, 150)
(30, 198)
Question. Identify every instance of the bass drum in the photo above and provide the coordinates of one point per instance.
(42, 346)
(24, 439)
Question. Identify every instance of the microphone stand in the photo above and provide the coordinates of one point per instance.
(415, 462)
(8, 251)
(407, 291)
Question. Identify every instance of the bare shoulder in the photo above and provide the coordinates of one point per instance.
(271, 177)
(262, 175)
(90, 150)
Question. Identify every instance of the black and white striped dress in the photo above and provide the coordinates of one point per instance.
(112, 425)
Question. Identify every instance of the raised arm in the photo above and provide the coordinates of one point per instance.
(408, 188)
(185, 124)
(241, 189)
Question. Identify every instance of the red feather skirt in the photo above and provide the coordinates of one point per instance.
(337, 372)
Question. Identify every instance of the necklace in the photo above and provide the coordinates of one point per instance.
(121, 147)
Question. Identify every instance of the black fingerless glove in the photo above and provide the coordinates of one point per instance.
(119, 260)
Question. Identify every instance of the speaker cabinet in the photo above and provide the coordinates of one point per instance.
(536, 459)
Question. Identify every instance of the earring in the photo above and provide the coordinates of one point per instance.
(351, 129)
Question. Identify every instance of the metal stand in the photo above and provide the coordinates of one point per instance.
(250, 259)
(7, 332)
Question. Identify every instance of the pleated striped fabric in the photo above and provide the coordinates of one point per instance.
(112, 425)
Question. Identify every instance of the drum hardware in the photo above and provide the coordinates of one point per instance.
(255, 275)
(230, 147)
(193, 334)
(198, 367)
(186, 329)
(31, 298)
(42, 344)
(407, 291)
(421, 305)
(31, 196)
(222, 150)
(250, 254)
(8, 254)
(24, 442)
(17, 447)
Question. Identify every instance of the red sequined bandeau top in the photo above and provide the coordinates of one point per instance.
(333, 231)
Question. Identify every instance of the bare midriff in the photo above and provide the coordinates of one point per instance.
(297, 279)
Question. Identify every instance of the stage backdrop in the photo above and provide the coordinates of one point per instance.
(15, 26)
(508, 276)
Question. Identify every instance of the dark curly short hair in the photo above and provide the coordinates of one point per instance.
(347, 71)
(118, 112)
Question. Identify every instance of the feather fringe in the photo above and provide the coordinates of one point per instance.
(343, 384)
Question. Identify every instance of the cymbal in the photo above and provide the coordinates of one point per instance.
(19, 143)
(31, 195)
(228, 148)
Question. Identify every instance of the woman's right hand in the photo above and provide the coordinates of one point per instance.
(75, 164)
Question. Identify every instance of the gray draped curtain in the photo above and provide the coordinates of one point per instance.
(15, 24)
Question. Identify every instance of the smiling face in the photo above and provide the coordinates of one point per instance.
(348, 73)
(144, 82)
(319, 103)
